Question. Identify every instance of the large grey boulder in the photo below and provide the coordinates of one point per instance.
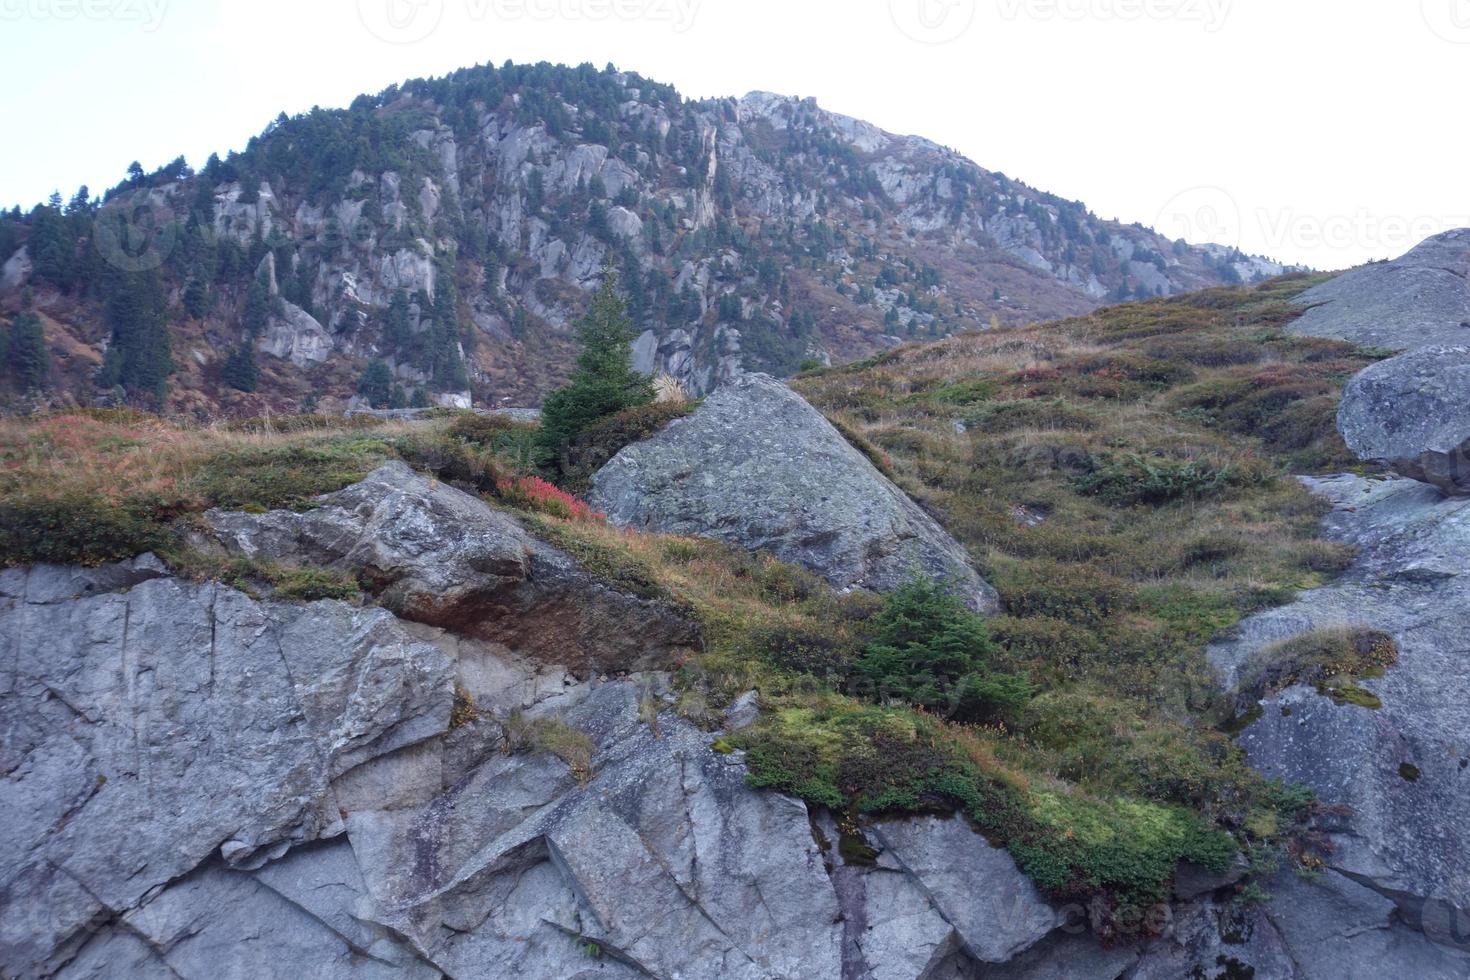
(1399, 770)
(437, 555)
(1419, 299)
(758, 467)
(1412, 413)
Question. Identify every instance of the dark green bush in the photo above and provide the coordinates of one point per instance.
(970, 391)
(925, 648)
(820, 652)
(602, 440)
(1128, 479)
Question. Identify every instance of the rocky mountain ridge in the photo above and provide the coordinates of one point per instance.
(452, 227)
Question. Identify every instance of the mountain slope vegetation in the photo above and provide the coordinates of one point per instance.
(1123, 478)
(444, 233)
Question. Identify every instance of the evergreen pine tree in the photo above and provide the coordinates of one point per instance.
(25, 353)
(376, 384)
(138, 356)
(257, 307)
(397, 332)
(240, 370)
(604, 381)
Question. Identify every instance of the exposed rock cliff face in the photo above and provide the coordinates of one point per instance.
(198, 783)
(750, 234)
(757, 466)
(1401, 768)
(1396, 759)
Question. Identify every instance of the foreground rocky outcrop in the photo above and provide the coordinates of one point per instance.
(758, 467)
(435, 555)
(201, 783)
(1411, 413)
(1417, 300)
(1399, 770)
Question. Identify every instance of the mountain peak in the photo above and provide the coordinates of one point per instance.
(453, 228)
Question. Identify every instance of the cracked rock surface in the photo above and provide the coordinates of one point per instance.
(197, 783)
(436, 555)
(1402, 770)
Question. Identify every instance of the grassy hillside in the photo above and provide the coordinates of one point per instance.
(1123, 479)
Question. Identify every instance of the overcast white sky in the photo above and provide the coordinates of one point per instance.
(1325, 132)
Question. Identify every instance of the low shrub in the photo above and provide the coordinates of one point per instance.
(1128, 479)
(878, 761)
(1029, 413)
(307, 584)
(286, 475)
(301, 423)
(467, 465)
(1150, 371)
(298, 583)
(72, 526)
(1046, 643)
(817, 651)
(925, 648)
(1331, 659)
(553, 736)
(1206, 351)
(535, 494)
(482, 430)
(498, 436)
(1077, 594)
(970, 391)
